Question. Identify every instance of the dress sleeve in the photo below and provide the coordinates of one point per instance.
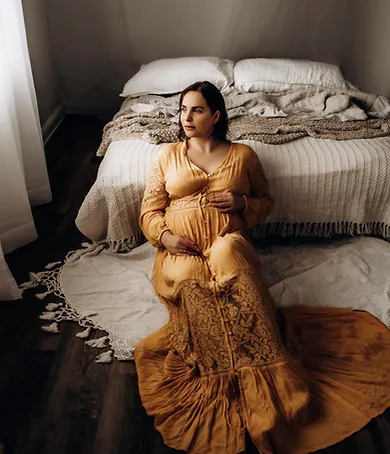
(259, 203)
(154, 203)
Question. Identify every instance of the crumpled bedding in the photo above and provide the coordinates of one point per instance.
(265, 117)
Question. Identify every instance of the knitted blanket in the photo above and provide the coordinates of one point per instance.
(268, 118)
(321, 188)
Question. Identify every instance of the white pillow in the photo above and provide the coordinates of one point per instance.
(172, 75)
(274, 75)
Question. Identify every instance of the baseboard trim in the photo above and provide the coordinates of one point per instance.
(52, 123)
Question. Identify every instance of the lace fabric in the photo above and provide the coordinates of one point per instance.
(227, 325)
(155, 201)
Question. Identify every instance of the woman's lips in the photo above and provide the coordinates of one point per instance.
(189, 127)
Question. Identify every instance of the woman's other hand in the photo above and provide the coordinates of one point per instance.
(179, 245)
(227, 202)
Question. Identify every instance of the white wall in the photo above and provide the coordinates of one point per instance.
(96, 45)
(235, 28)
(45, 78)
(366, 53)
(99, 44)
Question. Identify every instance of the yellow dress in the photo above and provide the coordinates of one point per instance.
(227, 362)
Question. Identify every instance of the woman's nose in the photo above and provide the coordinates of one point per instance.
(188, 116)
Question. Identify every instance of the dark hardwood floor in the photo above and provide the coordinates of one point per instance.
(54, 398)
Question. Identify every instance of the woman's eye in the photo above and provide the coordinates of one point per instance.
(183, 109)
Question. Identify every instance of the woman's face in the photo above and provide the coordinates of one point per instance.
(196, 117)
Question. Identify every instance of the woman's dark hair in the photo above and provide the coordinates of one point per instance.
(215, 101)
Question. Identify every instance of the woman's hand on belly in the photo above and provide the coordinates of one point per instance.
(227, 202)
(179, 245)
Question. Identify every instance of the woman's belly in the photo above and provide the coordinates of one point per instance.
(202, 225)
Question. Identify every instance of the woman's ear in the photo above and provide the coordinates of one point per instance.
(216, 117)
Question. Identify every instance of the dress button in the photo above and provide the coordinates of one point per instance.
(230, 333)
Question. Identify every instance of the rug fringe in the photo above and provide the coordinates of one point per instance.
(50, 280)
(97, 343)
(84, 334)
(105, 357)
(48, 316)
(53, 306)
(51, 265)
(41, 296)
(53, 328)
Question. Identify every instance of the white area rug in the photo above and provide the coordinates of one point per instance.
(114, 292)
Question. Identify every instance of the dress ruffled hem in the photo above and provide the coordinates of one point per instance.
(335, 379)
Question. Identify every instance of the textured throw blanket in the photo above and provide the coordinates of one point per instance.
(321, 188)
(264, 117)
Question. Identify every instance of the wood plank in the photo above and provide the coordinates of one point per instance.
(21, 398)
(380, 431)
(119, 428)
(72, 401)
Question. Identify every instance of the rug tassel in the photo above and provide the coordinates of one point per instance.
(51, 265)
(27, 285)
(105, 357)
(34, 277)
(84, 334)
(33, 282)
(48, 316)
(53, 328)
(97, 343)
(41, 296)
(52, 306)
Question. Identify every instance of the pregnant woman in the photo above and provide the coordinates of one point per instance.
(227, 363)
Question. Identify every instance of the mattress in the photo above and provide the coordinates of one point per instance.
(321, 188)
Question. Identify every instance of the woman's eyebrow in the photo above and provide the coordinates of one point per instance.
(193, 107)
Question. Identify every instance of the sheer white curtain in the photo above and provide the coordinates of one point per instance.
(23, 175)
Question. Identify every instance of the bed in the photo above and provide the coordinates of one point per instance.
(324, 146)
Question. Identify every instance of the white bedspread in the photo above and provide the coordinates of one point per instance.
(321, 187)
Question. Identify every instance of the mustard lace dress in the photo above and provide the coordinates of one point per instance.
(226, 362)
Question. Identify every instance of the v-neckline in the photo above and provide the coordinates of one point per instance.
(202, 170)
